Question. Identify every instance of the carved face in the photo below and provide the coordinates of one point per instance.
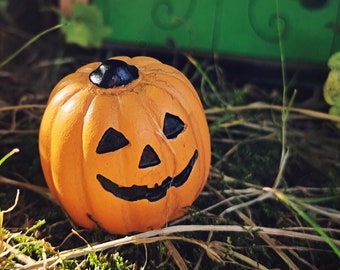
(128, 155)
(114, 140)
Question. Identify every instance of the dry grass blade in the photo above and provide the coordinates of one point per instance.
(249, 261)
(264, 106)
(166, 234)
(175, 255)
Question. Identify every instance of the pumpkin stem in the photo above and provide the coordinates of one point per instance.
(113, 73)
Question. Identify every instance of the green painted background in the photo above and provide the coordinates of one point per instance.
(238, 28)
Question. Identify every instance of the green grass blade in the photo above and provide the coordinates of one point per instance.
(309, 220)
(3, 159)
(206, 78)
(28, 43)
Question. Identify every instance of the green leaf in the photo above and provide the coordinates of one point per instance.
(337, 102)
(334, 61)
(335, 110)
(85, 27)
(331, 89)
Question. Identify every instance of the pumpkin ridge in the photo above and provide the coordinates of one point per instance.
(91, 211)
(152, 113)
(88, 100)
(181, 99)
(43, 134)
(158, 127)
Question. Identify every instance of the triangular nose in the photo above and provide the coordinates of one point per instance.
(149, 158)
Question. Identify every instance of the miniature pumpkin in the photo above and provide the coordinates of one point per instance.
(124, 144)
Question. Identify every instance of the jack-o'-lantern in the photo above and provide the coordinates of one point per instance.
(124, 144)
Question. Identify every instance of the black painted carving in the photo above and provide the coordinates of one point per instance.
(173, 125)
(135, 192)
(149, 158)
(111, 140)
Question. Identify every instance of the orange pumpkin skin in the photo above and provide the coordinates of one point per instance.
(114, 187)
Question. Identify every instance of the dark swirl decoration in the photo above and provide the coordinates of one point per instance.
(314, 4)
(267, 27)
(168, 16)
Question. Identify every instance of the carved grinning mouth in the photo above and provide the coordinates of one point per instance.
(135, 192)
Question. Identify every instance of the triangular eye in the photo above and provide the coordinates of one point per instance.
(111, 140)
(173, 125)
(149, 158)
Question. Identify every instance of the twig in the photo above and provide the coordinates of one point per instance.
(38, 189)
(22, 107)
